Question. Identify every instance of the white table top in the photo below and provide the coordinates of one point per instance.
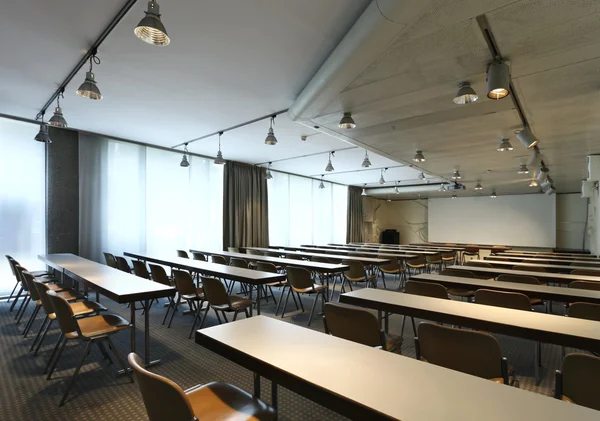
(366, 383)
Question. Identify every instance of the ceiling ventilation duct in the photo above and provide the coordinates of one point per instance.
(423, 188)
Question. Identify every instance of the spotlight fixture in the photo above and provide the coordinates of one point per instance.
(419, 156)
(271, 139)
(542, 173)
(150, 29)
(527, 137)
(329, 167)
(533, 183)
(366, 162)
(184, 159)
(523, 169)
(58, 120)
(42, 135)
(268, 175)
(504, 145)
(396, 189)
(321, 185)
(364, 191)
(381, 179)
(498, 80)
(465, 94)
(347, 122)
(442, 187)
(551, 190)
(478, 186)
(219, 159)
(89, 88)
(493, 195)
(421, 176)
(454, 196)
(456, 175)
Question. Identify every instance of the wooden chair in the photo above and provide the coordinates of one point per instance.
(46, 276)
(271, 268)
(529, 268)
(522, 279)
(220, 301)
(587, 264)
(395, 268)
(233, 249)
(585, 272)
(25, 289)
(417, 264)
(160, 275)
(460, 292)
(356, 274)
(425, 289)
(357, 325)
(182, 253)
(467, 351)
(90, 330)
(140, 269)
(301, 283)
(199, 256)
(294, 256)
(187, 290)
(577, 380)
(165, 400)
(448, 257)
(110, 260)
(238, 263)
(513, 300)
(220, 260)
(122, 264)
(470, 250)
(479, 264)
(433, 260)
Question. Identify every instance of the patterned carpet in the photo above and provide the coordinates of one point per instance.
(99, 395)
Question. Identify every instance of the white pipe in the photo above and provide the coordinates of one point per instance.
(423, 188)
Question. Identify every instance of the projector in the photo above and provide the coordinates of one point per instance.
(455, 186)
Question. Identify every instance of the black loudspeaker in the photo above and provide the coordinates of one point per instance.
(390, 237)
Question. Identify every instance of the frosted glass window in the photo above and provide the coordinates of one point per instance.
(22, 198)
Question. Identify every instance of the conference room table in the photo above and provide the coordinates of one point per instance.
(582, 257)
(551, 252)
(479, 246)
(405, 247)
(558, 278)
(566, 295)
(115, 285)
(544, 260)
(379, 385)
(400, 254)
(362, 249)
(246, 276)
(548, 268)
(364, 260)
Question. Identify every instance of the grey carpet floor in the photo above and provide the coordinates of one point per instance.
(99, 394)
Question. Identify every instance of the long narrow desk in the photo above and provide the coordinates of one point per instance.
(404, 247)
(567, 295)
(479, 246)
(335, 257)
(113, 284)
(341, 253)
(549, 268)
(545, 260)
(549, 252)
(559, 278)
(547, 328)
(364, 383)
(582, 258)
(340, 249)
(279, 261)
(247, 276)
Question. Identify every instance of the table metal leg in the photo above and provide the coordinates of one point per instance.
(258, 293)
(148, 362)
(250, 297)
(132, 317)
(256, 385)
(386, 322)
(274, 394)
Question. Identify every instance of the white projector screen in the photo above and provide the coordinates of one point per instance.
(520, 220)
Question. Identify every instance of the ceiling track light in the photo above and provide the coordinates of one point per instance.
(329, 167)
(184, 159)
(454, 196)
(43, 135)
(493, 195)
(364, 191)
(527, 137)
(456, 175)
(219, 160)
(321, 185)
(419, 157)
(347, 122)
(151, 29)
(523, 169)
(271, 139)
(504, 145)
(478, 186)
(58, 120)
(381, 179)
(89, 88)
(542, 173)
(366, 162)
(465, 94)
(396, 189)
(498, 80)
(268, 174)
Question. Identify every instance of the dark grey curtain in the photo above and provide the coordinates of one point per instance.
(354, 230)
(245, 206)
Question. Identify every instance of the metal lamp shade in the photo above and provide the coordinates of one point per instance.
(219, 159)
(465, 94)
(498, 81)
(364, 192)
(542, 175)
(184, 161)
(493, 195)
(421, 176)
(269, 176)
(58, 120)
(271, 139)
(329, 167)
(504, 145)
(151, 29)
(347, 122)
(42, 135)
(456, 175)
(419, 157)
(533, 183)
(381, 180)
(478, 186)
(523, 169)
(89, 88)
(321, 185)
(366, 162)
(527, 138)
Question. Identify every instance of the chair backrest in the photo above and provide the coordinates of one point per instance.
(433, 258)
(266, 267)
(585, 272)
(238, 263)
(416, 261)
(356, 270)
(426, 289)
(199, 256)
(520, 279)
(458, 272)
(159, 274)
(593, 286)
(299, 278)
(182, 253)
(448, 255)
(294, 256)
(514, 300)
(19, 274)
(254, 252)
(11, 263)
(140, 269)
(471, 249)
(468, 351)
(579, 378)
(233, 249)
(478, 264)
(184, 282)
(530, 268)
(42, 290)
(588, 311)
(64, 313)
(214, 291)
(588, 264)
(220, 260)
(122, 264)
(110, 260)
(272, 254)
(163, 398)
(395, 264)
(320, 259)
(353, 324)
(27, 278)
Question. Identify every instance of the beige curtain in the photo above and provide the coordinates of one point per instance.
(354, 230)
(245, 206)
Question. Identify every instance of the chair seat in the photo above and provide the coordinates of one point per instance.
(278, 284)
(461, 292)
(420, 266)
(99, 325)
(68, 295)
(391, 271)
(86, 307)
(55, 287)
(536, 301)
(224, 402)
(309, 290)
(199, 296)
(40, 273)
(237, 303)
(359, 279)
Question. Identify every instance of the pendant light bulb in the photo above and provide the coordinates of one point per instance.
(381, 179)
(89, 87)
(219, 159)
(364, 191)
(58, 120)
(456, 175)
(329, 167)
(271, 140)
(347, 122)
(268, 175)
(454, 196)
(442, 187)
(151, 29)
(493, 195)
(498, 80)
(43, 135)
(478, 186)
(533, 183)
(419, 156)
(504, 145)
(321, 185)
(523, 169)
(366, 162)
(465, 94)
(184, 160)
(396, 189)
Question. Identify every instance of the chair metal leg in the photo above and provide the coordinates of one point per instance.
(312, 310)
(60, 351)
(235, 315)
(218, 317)
(72, 379)
(22, 309)
(174, 310)
(31, 320)
(225, 317)
(12, 292)
(286, 301)
(199, 308)
(12, 306)
(43, 328)
(119, 359)
(279, 302)
(204, 316)
(171, 303)
(104, 352)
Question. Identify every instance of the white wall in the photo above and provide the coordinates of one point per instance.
(571, 213)
(408, 217)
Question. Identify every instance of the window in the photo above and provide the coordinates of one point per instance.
(301, 213)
